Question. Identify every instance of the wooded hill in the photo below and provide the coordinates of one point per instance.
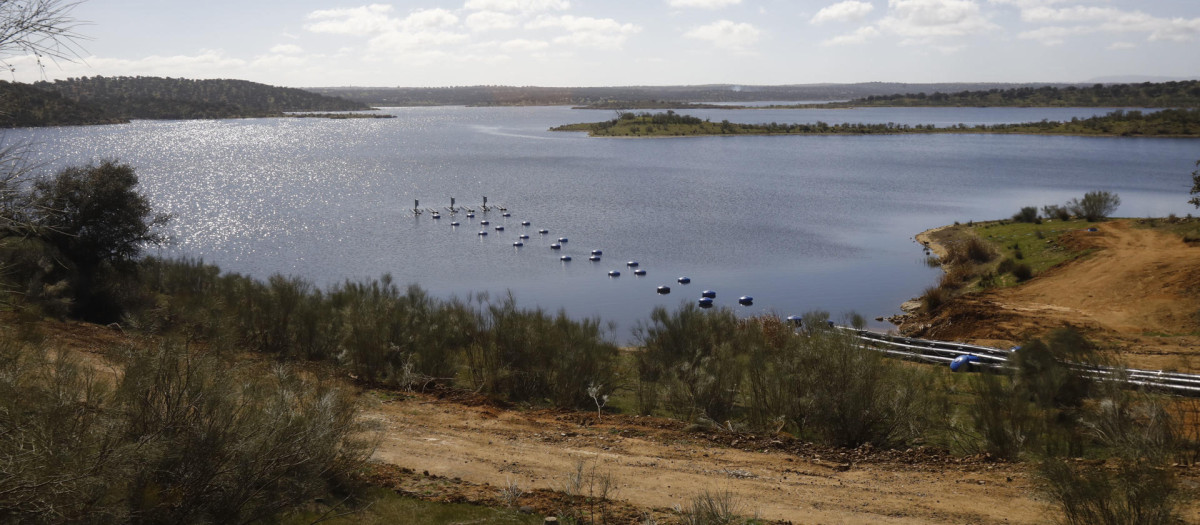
(179, 98)
(22, 105)
(1184, 94)
(579, 96)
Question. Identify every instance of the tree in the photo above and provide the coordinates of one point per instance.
(1195, 187)
(1095, 206)
(95, 217)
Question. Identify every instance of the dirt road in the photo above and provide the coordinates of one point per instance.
(658, 464)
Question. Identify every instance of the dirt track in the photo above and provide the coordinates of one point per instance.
(1138, 293)
(657, 464)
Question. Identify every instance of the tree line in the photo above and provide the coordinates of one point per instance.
(1165, 123)
(1179, 94)
(93, 100)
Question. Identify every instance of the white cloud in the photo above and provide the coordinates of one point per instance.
(287, 49)
(429, 19)
(1121, 45)
(1080, 19)
(726, 34)
(583, 31)
(925, 21)
(523, 45)
(702, 4)
(490, 20)
(520, 6)
(859, 36)
(351, 21)
(848, 11)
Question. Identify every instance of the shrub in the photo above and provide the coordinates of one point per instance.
(1054, 211)
(1136, 484)
(1022, 272)
(1095, 205)
(1027, 214)
(694, 358)
(971, 250)
(933, 298)
(713, 507)
(182, 438)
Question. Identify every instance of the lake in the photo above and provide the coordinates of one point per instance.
(797, 222)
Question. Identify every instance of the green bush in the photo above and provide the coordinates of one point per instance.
(176, 437)
(1027, 214)
(1095, 205)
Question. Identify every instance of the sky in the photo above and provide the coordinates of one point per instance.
(316, 43)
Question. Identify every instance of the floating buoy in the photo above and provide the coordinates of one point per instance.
(745, 300)
(499, 228)
(795, 320)
(639, 272)
(565, 258)
(470, 215)
(524, 223)
(543, 231)
(594, 258)
(663, 290)
(597, 252)
(484, 223)
(556, 246)
(684, 280)
(614, 273)
(709, 294)
(705, 302)
(482, 233)
(518, 244)
(522, 236)
(632, 264)
(963, 363)
(506, 214)
(455, 223)
(562, 239)
(436, 216)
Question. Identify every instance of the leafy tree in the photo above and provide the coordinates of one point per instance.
(1095, 205)
(95, 217)
(1195, 201)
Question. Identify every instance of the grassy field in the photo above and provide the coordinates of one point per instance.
(387, 507)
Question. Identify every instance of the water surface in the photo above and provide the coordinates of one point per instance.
(797, 222)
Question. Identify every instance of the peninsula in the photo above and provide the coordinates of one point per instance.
(1165, 123)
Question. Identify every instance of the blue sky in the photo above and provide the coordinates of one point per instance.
(308, 43)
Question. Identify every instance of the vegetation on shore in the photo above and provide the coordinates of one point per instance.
(1177, 94)
(104, 100)
(1165, 123)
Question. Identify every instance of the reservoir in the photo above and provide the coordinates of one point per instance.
(798, 222)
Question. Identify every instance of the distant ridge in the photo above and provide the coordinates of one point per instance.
(180, 98)
(579, 96)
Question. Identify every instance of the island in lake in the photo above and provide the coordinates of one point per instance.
(1165, 123)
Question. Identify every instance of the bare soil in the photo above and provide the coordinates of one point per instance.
(1137, 293)
(658, 464)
